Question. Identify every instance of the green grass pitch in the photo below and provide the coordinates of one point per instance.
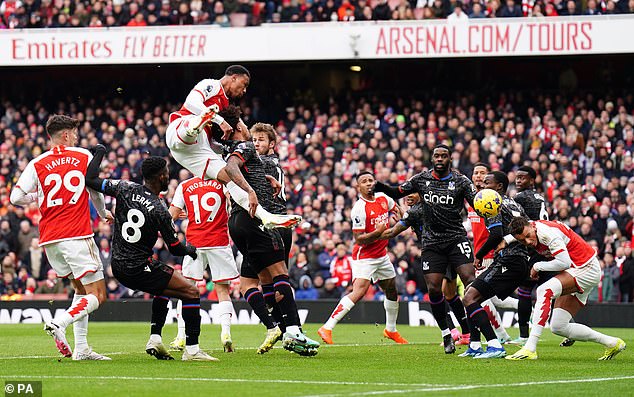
(362, 363)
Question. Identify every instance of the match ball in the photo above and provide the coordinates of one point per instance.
(487, 203)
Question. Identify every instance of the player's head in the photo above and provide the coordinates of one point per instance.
(440, 158)
(264, 137)
(523, 231)
(480, 170)
(412, 199)
(366, 183)
(154, 170)
(496, 180)
(232, 114)
(63, 130)
(235, 81)
(525, 178)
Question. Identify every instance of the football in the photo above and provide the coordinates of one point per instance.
(487, 203)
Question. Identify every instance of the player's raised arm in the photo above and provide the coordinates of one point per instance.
(93, 180)
(395, 192)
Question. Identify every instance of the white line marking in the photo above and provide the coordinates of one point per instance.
(57, 356)
(228, 380)
(438, 388)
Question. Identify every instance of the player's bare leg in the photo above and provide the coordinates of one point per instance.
(84, 304)
(359, 288)
(391, 311)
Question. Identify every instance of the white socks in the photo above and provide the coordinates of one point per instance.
(560, 324)
(226, 310)
(242, 198)
(343, 307)
(179, 320)
(156, 338)
(192, 349)
(79, 309)
(546, 292)
(80, 329)
(391, 312)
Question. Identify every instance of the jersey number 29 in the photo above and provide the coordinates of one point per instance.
(57, 181)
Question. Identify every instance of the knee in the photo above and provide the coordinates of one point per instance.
(470, 297)
(192, 292)
(559, 327)
(102, 297)
(435, 290)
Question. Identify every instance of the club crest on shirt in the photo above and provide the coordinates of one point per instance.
(384, 206)
(427, 183)
(451, 186)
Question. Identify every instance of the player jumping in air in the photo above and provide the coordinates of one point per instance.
(55, 180)
(188, 137)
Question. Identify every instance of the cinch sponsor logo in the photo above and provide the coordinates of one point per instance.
(434, 198)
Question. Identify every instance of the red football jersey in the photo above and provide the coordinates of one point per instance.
(480, 231)
(554, 237)
(206, 206)
(206, 93)
(58, 176)
(365, 216)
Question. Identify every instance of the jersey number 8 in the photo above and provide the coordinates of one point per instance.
(135, 221)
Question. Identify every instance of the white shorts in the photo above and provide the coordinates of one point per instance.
(197, 157)
(221, 264)
(78, 259)
(373, 269)
(587, 278)
(486, 262)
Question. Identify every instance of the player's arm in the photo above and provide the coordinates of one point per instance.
(25, 190)
(496, 235)
(175, 212)
(470, 191)
(369, 238)
(394, 231)
(170, 236)
(395, 192)
(557, 247)
(236, 160)
(100, 205)
(178, 203)
(93, 181)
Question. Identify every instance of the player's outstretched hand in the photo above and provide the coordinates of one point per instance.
(477, 263)
(226, 130)
(100, 148)
(191, 251)
(534, 273)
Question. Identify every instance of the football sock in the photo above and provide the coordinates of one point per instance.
(343, 307)
(80, 329)
(495, 319)
(480, 319)
(474, 335)
(269, 297)
(450, 322)
(524, 308)
(226, 311)
(440, 313)
(545, 294)
(191, 315)
(242, 198)
(560, 324)
(81, 308)
(179, 320)
(391, 313)
(159, 314)
(458, 310)
(286, 300)
(255, 299)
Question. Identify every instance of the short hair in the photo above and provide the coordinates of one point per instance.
(360, 174)
(231, 114)
(500, 177)
(60, 122)
(529, 170)
(517, 225)
(152, 166)
(267, 129)
(485, 165)
(442, 146)
(237, 70)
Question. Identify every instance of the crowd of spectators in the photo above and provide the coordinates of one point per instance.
(581, 146)
(16, 14)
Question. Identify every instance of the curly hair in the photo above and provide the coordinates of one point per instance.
(152, 166)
